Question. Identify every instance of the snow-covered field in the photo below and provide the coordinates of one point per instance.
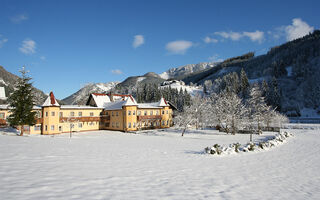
(156, 165)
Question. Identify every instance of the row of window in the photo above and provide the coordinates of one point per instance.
(52, 127)
(133, 112)
(71, 114)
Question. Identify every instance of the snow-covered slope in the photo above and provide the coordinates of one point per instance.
(192, 90)
(81, 96)
(156, 165)
(186, 69)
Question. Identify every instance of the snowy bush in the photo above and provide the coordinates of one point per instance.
(238, 148)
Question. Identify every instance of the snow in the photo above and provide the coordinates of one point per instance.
(156, 165)
(192, 90)
(105, 87)
(129, 102)
(48, 101)
(77, 107)
(141, 79)
(164, 75)
(101, 100)
(3, 82)
(2, 93)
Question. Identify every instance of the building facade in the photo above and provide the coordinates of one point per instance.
(102, 112)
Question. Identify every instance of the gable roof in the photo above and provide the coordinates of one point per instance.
(50, 101)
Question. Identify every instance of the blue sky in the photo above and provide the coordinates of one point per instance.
(66, 44)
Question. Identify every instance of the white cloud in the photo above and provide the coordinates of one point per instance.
(215, 58)
(298, 29)
(19, 18)
(230, 35)
(43, 58)
(210, 40)
(178, 46)
(138, 41)
(28, 46)
(256, 36)
(2, 41)
(116, 71)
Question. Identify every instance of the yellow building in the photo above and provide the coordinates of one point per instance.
(102, 112)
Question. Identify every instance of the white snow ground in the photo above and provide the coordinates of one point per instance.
(156, 165)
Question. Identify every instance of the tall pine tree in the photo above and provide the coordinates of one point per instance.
(21, 102)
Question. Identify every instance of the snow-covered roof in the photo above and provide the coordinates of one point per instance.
(2, 93)
(130, 102)
(101, 99)
(78, 107)
(148, 105)
(117, 105)
(51, 101)
(6, 107)
(159, 104)
(162, 102)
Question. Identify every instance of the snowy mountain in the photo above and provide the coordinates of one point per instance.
(174, 73)
(8, 80)
(176, 84)
(148, 78)
(81, 96)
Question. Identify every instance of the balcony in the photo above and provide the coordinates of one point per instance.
(145, 117)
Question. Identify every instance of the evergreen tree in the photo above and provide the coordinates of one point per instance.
(21, 101)
(244, 87)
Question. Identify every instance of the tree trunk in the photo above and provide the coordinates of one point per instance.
(22, 129)
(233, 128)
(184, 130)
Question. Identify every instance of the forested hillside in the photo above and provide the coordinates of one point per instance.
(293, 68)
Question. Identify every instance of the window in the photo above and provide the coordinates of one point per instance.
(167, 122)
(61, 114)
(91, 114)
(91, 124)
(157, 112)
(139, 113)
(80, 114)
(145, 112)
(112, 114)
(107, 124)
(117, 113)
(45, 127)
(107, 113)
(134, 124)
(134, 112)
(162, 123)
(46, 114)
(129, 125)
(112, 124)
(52, 113)
(52, 127)
(167, 111)
(38, 115)
(151, 112)
(80, 125)
(129, 112)
(37, 128)
(2, 115)
(163, 112)
(117, 124)
(60, 128)
(72, 114)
